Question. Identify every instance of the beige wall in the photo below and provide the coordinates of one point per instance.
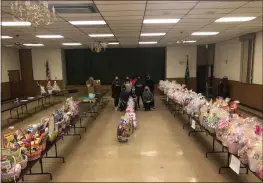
(228, 59)
(231, 51)
(174, 54)
(9, 61)
(257, 73)
(39, 57)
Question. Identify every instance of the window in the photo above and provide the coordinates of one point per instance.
(247, 58)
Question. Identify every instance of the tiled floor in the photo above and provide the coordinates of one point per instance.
(159, 151)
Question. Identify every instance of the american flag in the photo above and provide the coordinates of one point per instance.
(48, 75)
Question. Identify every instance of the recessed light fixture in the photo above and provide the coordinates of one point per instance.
(49, 36)
(14, 24)
(33, 44)
(90, 22)
(101, 35)
(160, 21)
(6, 37)
(189, 41)
(114, 43)
(153, 34)
(71, 44)
(204, 33)
(149, 42)
(235, 19)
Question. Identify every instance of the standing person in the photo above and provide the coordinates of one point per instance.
(124, 97)
(133, 80)
(150, 83)
(128, 85)
(139, 90)
(223, 89)
(116, 90)
(134, 97)
(147, 98)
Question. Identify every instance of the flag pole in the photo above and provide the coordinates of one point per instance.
(187, 72)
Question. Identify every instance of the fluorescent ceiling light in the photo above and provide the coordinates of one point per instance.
(6, 37)
(71, 44)
(190, 41)
(49, 36)
(93, 22)
(235, 19)
(33, 44)
(204, 33)
(101, 35)
(11, 24)
(153, 34)
(160, 21)
(113, 43)
(150, 42)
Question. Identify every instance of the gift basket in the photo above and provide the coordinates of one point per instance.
(72, 108)
(33, 143)
(55, 87)
(10, 169)
(128, 123)
(124, 129)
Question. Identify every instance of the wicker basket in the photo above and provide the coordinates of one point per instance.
(22, 162)
(12, 174)
(34, 155)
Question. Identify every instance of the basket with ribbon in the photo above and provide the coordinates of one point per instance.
(10, 169)
(33, 143)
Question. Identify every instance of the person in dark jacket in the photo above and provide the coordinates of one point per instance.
(150, 83)
(139, 90)
(124, 97)
(134, 97)
(147, 98)
(116, 90)
(223, 89)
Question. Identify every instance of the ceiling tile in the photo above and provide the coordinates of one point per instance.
(110, 2)
(121, 13)
(218, 4)
(127, 18)
(121, 7)
(166, 12)
(253, 4)
(170, 5)
(210, 11)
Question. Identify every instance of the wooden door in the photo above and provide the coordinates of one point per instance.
(15, 84)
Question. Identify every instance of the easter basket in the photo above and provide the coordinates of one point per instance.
(20, 158)
(10, 171)
(33, 150)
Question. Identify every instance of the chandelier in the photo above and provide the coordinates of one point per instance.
(36, 12)
(98, 47)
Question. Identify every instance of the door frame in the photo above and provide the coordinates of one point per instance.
(19, 84)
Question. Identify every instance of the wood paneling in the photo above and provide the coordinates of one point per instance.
(25, 57)
(248, 94)
(5, 93)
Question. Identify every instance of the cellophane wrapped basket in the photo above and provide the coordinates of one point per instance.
(20, 157)
(10, 170)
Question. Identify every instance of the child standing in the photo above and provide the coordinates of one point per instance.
(134, 97)
(147, 98)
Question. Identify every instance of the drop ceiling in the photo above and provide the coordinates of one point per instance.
(125, 20)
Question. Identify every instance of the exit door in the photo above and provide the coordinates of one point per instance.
(15, 84)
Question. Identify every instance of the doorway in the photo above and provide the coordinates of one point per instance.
(15, 83)
(202, 78)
